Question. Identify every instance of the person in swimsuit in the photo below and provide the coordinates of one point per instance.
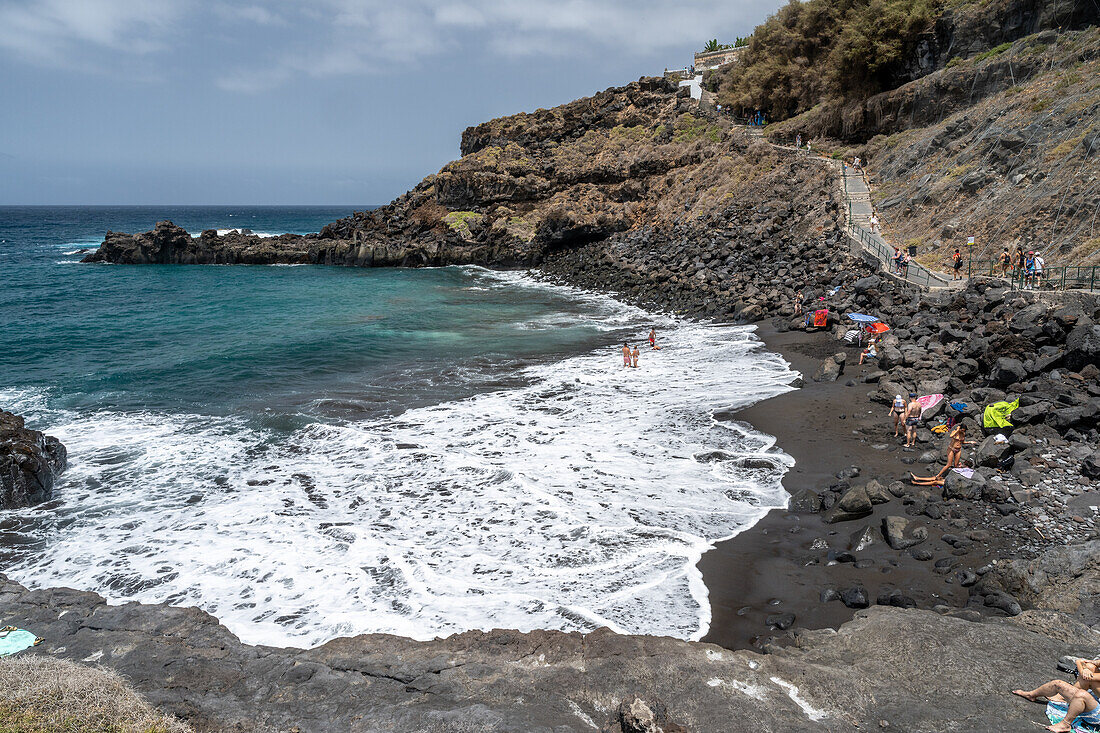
(798, 303)
(626, 355)
(912, 420)
(1080, 700)
(897, 410)
(957, 439)
(1005, 261)
(635, 355)
(957, 259)
(653, 338)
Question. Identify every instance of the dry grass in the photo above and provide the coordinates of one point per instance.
(40, 694)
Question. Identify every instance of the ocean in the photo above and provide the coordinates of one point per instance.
(311, 452)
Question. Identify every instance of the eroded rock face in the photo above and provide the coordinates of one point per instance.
(187, 664)
(29, 463)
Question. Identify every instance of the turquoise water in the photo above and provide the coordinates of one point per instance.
(310, 452)
(216, 340)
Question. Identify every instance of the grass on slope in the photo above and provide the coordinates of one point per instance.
(40, 694)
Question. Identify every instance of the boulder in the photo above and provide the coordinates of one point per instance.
(1083, 347)
(957, 486)
(876, 492)
(861, 539)
(1007, 370)
(991, 452)
(806, 501)
(855, 597)
(1090, 465)
(853, 504)
(29, 463)
(901, 534)
(830, 369)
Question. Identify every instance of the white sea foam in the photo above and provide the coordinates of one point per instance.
(223, 232)
(584, 498)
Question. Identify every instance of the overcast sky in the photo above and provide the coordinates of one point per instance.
(286, 102)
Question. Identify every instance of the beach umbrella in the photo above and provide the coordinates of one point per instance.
(996, 415)
(879, 327)
(862, 318)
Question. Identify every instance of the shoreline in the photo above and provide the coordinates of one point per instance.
(771, 568)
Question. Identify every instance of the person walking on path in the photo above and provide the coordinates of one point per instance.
(1029, 270)
(626, 355)
(912, 420)
(1019, 260)
(1039, 262)
(1005, 260)
(957, 263)
(874, 223)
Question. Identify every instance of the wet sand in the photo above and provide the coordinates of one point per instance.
(771, 568)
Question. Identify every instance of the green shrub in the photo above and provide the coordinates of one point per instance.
(955, 61)
(827, 51)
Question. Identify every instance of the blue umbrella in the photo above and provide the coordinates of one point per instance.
(862, 318)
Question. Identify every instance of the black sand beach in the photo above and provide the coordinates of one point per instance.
(774, 567)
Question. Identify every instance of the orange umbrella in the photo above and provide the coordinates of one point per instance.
(879, 327)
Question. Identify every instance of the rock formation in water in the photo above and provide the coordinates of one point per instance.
(29, 463)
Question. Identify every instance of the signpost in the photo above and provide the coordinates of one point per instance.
(970, 249)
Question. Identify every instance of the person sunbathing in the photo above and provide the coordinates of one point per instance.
(1080, 700)
(957, 438)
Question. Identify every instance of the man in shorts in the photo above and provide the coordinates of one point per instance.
(957, 263)
(626, 355)
(912, 420)
(1005, 260)
(1039, 262)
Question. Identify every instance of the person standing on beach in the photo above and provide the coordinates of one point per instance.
(635, 355)
(653, 338)
(912, 420)
(626, 355)
(897, 410)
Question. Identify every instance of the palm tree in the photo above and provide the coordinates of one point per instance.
(712, 45)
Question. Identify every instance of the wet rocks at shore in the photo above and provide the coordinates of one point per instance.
(857, 677)
(30, 462)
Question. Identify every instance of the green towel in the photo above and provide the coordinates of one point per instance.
(16, 641)
(996, 415)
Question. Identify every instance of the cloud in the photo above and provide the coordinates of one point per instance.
(54, 32)
(266, 43)
(350, 37)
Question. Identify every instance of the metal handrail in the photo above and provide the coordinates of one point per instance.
(1063, 277)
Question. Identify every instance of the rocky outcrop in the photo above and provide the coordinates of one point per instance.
(29, 463)
(526, 186)
(856, 678)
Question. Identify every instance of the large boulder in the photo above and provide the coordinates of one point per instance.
(831, 369)
(991, 452)
(29, 463)
(1083, 346)
(854, 504)
(1007, 371)
(900, 533)
(957, 486)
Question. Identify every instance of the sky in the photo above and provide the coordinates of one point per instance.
(283, 102)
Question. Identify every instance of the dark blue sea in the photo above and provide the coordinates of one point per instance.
(308, 452)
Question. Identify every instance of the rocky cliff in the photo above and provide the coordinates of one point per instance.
(525, 186)
(888, 668)
(29, 463)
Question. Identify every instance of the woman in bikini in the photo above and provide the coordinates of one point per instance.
(897, 411)
(954, 458)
